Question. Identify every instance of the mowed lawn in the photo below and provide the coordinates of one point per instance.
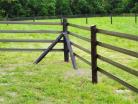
(55, 82)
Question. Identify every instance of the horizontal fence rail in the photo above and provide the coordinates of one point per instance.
(30, 31)
(81, 48)
(125, 51)
(27, 50)
(28, 40)
(80, 27)
(127, 69)
(30, 23)
(80, 37)
(118, 80)
(84, 60)
(117, 34)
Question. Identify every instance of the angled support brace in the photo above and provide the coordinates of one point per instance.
(48, 49)
(70, 50)
(67, 47)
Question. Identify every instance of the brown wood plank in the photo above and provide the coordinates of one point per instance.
(70, 51)
(27, 50)
(48, 49)
(117, 34)
(30, 31)
(81, 48)
(80, 37)
(80, 27)
(125, 51)
(81, 58)
(118, 80)
(28, 40)
(94, 54)
(30, 23)
(66, 50)
(127, 69)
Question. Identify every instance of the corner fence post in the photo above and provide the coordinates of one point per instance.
(94, 54)
(66, 50)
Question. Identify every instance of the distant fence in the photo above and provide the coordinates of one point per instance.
(63, 38)
(86, 16)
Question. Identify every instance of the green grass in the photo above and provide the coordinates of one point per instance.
(55, 82)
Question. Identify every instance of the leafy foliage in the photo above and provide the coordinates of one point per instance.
(23, 8)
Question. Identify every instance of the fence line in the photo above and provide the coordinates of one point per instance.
(94, 55)
(81, 48)
(80, 37)
(27, 50)
(118, 80)
(80, 27)
(86, 16)
(31, 31)
(67, 44)
(30, 23)
(28, 40)
(125, 51)
(117, 34)
(81, 58)
(127, 69)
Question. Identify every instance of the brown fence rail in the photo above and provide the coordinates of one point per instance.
(81, 48)
(121, 50)
(118, 80)
(31, 31)
(117, 34)
(80, 37)
(28, 40)
(27, 50)
(30, 23)
(80, 27)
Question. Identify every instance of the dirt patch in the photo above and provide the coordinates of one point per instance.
(12, 94)
(79, 73)
(1, 99)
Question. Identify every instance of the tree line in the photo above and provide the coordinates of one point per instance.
(29, 8)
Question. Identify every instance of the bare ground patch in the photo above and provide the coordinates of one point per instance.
(80, 73)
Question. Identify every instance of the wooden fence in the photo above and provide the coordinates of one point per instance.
(86, 16)
(63, 38)
(94, 55)
(28, 31)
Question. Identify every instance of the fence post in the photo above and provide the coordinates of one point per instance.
(7, 18)
(33, 18)
(61, 18)
(111, 17)
(66, 50)
(86, 19)
(94, 54)
(135, 17)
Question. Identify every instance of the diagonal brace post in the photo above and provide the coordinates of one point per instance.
(48, 49)
(70, 50)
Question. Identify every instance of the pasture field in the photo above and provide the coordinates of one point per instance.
(55, 82)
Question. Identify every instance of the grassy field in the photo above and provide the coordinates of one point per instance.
(55, 82)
